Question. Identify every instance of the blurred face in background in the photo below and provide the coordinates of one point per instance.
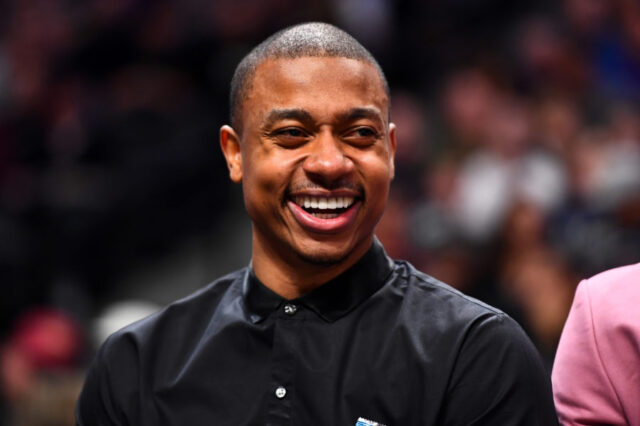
(315, 158)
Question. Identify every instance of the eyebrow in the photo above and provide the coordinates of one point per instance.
(304, 116)
(361, 112)
(286, 113)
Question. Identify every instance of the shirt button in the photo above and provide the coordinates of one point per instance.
(290, 309)
(280, 392)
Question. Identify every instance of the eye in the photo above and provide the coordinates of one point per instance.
(365, 132)
(362, 136)
(290, 137)
(291, 132)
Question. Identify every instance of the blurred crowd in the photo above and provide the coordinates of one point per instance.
(517, 168)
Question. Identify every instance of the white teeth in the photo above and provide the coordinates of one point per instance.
(321, 203)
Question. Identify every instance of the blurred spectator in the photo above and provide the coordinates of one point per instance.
(540, 286)
(40, 369)
(467, 101)
(549, 59)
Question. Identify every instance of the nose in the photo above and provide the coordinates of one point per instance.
(327, 163)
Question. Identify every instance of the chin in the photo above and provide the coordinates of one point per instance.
(326, 254)
(322, 259)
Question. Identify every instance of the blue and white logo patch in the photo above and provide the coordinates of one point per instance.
(366, 422)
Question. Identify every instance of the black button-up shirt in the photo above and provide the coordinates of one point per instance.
(381, 344)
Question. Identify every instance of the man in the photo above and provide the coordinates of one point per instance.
(595, 373)
(322, 328)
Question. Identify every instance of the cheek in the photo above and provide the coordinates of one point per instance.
(376, 173)
(376, 168)
(266, 177)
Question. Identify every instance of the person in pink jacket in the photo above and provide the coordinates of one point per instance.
(596, 373)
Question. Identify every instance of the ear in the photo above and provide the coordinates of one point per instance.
(392, 149)
(230, 145)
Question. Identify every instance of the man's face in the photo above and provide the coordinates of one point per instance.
(315, 159)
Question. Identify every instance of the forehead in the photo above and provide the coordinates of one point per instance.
(321, 85)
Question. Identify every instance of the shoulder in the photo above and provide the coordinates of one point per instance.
(436, 310)
(494, 373)
(133, 360)
(608, 301)
(165, 330)
(426, 292)
(613, 288)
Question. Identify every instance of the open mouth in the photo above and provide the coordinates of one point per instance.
(324, 207)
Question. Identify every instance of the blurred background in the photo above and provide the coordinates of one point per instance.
(517, 175)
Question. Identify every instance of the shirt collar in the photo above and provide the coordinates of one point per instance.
(331, 300)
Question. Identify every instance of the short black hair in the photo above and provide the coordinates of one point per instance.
(310, 39)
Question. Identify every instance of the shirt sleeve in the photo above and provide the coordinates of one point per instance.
(583, 392)
(499, 378)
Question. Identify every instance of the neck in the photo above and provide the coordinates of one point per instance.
(291, 276)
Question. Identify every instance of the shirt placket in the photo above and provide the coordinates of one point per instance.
(288, 319)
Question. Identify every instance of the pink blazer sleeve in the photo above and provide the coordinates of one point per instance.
(596, 374)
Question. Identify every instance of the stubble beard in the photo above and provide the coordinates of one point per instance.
(321, 259)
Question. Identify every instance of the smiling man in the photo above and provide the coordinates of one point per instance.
(322, 328)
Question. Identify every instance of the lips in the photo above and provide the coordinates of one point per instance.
(324, 214)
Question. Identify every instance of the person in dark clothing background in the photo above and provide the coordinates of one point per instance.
(322, 327)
